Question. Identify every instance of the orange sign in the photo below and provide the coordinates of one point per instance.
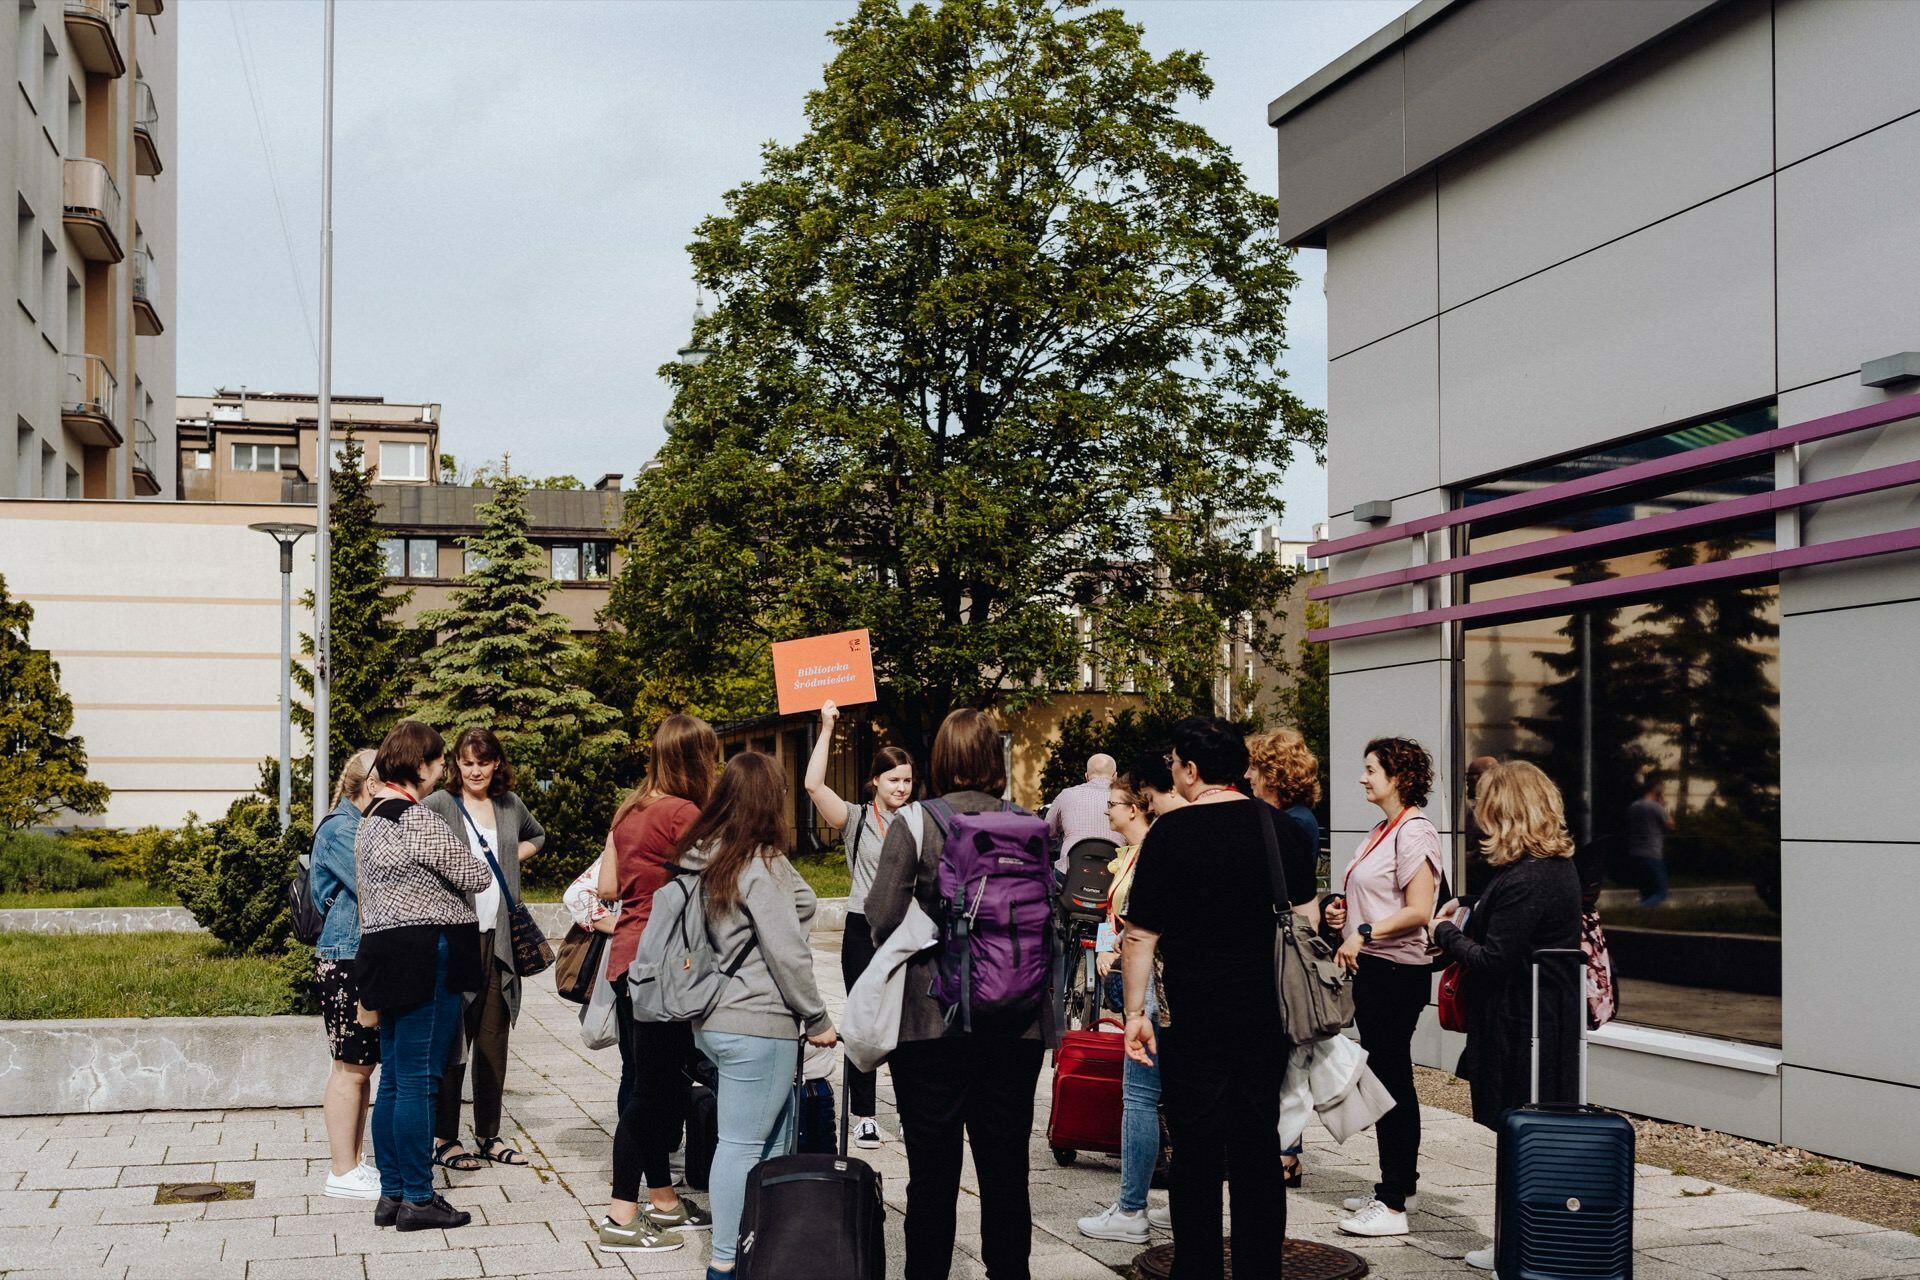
(811, 671)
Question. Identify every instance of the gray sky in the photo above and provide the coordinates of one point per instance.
(515, 184)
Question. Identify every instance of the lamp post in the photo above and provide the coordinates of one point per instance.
(286, 535)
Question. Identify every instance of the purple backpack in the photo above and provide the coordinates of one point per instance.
(995, 882)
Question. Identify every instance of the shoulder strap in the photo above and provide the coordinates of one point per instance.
(942, 814)
(390, 808)
(1276, 866)
(487, 849)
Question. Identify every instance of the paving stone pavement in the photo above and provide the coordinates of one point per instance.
(76, 1197)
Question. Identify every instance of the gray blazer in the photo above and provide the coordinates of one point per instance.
(515, 824)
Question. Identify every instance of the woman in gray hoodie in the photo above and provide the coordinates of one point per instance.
(758, 911)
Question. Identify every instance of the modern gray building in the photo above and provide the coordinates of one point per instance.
(1623, 306)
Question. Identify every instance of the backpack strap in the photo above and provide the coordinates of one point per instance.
(942, 814)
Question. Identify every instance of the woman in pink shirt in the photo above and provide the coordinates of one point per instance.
(1389, 889)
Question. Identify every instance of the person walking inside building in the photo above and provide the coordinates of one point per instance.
(1203, 896)
(1531, 903)
(1080, 812)
(863, 830)
(480, 805)
(1389, 890)
(648, 832)
(354, 1048)
(951, 1082)
(758, 908)
(419, 954)
(1648, 821)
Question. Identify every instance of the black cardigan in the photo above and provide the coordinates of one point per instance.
(1528, 906)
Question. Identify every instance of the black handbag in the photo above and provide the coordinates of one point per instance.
(532, 953)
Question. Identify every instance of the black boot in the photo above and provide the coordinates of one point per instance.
(436, 1213)
(385, 1211)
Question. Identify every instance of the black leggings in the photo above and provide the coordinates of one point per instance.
(1387, 1000)
(856, 953)
(651, 1126)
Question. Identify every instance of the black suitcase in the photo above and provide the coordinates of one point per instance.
(703, 1134)
(1563, 1181)
(813, 1217)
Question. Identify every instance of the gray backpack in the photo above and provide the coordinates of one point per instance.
(675, 975)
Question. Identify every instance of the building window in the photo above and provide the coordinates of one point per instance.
(1676, 697)
(265, 457)
(403, 461)
(203, 460)
(582, 561)
(73, 483)
(473, 562)
(566, 562)
(27, 258)
(410, 557)
(25, 46)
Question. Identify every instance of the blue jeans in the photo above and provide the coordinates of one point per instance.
(755, 1098)
(413, 1051)
(1139, 1125)
(1653, 881)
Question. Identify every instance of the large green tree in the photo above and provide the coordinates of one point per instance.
(373, 653)
(996, 341)
(42, 768)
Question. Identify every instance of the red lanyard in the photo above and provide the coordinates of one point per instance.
(403, 791)
(878, 819)
(1384, 832)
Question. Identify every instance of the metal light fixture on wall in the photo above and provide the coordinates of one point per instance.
(286, 535)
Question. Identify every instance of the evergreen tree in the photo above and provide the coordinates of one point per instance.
(373, 653)
(42, 769)
(1306, 703)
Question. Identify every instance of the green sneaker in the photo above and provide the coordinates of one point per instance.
(638, 1236)
(685, 1216)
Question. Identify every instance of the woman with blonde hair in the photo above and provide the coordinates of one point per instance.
(355, 1049)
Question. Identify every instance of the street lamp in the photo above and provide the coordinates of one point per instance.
(286, 535)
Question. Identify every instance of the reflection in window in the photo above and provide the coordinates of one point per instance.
(595, 560)
(566, 562)
(473, 562)
(393, 557)
(423, 558)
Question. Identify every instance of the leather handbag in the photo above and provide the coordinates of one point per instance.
(579, 954)
(1452, 1000)
(1316, 994)
(532, 953)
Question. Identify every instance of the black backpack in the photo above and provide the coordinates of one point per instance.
(306, 917)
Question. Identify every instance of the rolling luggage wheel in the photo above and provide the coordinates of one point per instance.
(1064, 1157)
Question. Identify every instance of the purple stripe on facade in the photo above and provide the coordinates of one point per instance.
(1562, 547)
(1566, 599)
(1873, 415)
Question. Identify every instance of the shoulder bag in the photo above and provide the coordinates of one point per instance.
(1316, 995)
(532, 953)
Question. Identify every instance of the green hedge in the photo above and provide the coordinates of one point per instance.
(35, 863)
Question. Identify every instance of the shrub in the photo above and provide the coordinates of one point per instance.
(137, 855)
(232, 875)
(34, 863)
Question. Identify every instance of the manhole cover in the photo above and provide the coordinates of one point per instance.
(201, 1192)
(1305, 1260)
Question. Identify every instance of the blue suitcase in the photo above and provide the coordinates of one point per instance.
(1563, 1182)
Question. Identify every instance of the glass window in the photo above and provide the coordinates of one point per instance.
(265, 457)
(1659, 721)
(393, 557)
(403, 461)
(203, 460)
(474, 562)
(423, 558)
(596, 560)
(566, 562)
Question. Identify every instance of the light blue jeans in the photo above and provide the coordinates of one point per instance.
(755, 1100)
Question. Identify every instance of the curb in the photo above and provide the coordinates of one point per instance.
(68, 1066)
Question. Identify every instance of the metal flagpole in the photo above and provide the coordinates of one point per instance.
(323, 541)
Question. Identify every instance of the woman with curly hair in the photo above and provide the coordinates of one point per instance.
(1389, 890)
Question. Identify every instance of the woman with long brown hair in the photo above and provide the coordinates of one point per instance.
(649, 829)
(758, 909)
(863, 826)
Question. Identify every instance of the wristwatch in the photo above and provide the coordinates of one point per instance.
(1366, 934)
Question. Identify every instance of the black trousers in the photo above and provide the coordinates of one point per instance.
(1222, 1099)
(485, 1023)
(856, 953)
(981, 1086)
(1387, 1000)
(656, 1114)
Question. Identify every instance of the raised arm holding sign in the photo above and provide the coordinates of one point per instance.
(811, 672)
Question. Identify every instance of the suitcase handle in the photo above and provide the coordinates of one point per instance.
(1541, 958)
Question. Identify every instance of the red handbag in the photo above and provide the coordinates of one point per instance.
(1453, 998)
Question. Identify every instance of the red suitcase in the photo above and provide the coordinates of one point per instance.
(1086, 1092)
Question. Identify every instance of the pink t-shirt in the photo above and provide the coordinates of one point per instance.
(1376, 884)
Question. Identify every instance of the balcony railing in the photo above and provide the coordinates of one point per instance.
(92, 209)
(146, 480)
(146, 123)
(94, 28)
(90, 401)
(146, 317)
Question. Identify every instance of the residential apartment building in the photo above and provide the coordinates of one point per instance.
(242, 446)
(86, 149)
(1624, 434)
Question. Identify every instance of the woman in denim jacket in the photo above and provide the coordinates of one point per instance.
(355, 1049)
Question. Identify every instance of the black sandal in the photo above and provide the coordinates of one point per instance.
(1292, 1173)
(498, 1152)
(445, 1161)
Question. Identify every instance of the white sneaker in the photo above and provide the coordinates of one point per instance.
(1160, 1216)
(1112, 1224)
(866, 1134)
(360, 1183)
(1375, 1220)
(1481, 1259)
(1354, 1204)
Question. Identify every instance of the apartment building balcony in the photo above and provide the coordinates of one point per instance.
(146, 318)
(92, 209)
(94, 28)
(90, 402)
(146, 482)
(146, 124)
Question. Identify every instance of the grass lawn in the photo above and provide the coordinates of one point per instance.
(132, 975)
(828, 875)
(115, 893)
